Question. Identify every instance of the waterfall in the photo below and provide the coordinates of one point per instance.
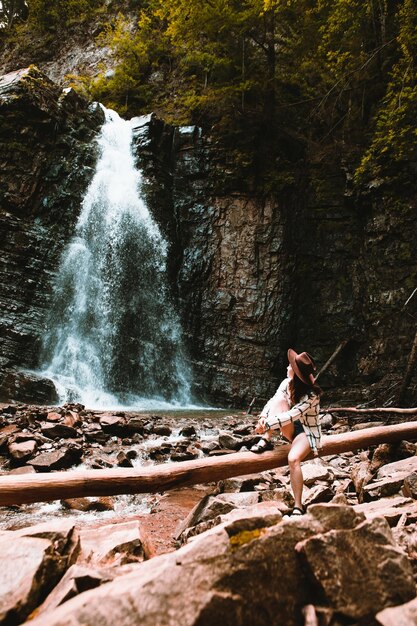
(113, 337)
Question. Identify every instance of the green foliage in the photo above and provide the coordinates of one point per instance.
(12, 10)
(395, 136)
(274, 78)
(56, 15)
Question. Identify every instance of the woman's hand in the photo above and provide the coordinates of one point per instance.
(261, 426)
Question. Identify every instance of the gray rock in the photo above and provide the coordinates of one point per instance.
(359, 570)
(230, 442)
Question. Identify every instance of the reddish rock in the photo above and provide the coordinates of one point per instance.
(58, 431)
(52, 416)
(88, 504)
(114, 544)
(32, 560)
(72, 419)
(62, 533)
(162, 430)
(383, 488)
(391, 508)
(123, 460)
(76, 580)
(405, 466)
(27, 568)
(410, 486)
(223, 576)
(21, 452)
(25, 469)
(318, 493)
(403, 615)
(114, 425)
(316, 470)
(48, 461)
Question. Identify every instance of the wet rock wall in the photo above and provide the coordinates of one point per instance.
(312, 267)
(47, 155)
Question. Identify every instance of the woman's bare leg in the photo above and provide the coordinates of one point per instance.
(299, 450)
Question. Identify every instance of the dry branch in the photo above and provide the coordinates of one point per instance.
(351, 409)
(332, 358)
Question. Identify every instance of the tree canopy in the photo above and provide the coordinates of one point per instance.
(305, 72)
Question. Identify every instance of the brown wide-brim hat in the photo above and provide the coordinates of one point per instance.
(303, 366)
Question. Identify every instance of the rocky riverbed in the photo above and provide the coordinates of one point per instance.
(220, 551)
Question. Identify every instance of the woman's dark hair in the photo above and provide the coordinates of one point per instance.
(298, 389)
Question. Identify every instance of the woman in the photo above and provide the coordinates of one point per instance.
(295, 409)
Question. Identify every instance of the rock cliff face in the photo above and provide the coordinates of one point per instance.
(314, 267)
(309, 268)
(47, 155)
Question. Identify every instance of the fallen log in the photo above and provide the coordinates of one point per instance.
(28, 488)
(352, 409)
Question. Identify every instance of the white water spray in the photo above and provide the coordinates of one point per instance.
(113, 337)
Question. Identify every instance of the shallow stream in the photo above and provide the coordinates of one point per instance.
(207, 423)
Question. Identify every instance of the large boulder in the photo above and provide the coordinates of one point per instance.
(113, 544)
(27, 570)
(27, 387)
(77, 579)
(31, 562)
(344, 563)
(403, 467)
(245, 571)
(218, 578)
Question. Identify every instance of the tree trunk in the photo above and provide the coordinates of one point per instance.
(20, 489)
(351, 409)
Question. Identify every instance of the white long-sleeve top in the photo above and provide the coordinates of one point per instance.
(307, 411)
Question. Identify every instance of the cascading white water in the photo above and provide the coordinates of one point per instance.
(113, 337)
